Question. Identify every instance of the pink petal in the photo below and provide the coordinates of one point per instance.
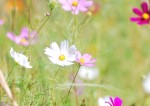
(118, 101)
(92, 61)
(137, 11)
(24, 32)
(78, 54)
(89, 65)
(135, 19)
(1, 22)
(11, 36)
(87, 57)
(88, 3)
(112, 101)
(67, 7)
(144, 7)
(141, 22)
(83, 9)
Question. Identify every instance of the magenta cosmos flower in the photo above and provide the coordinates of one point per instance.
(143, 16)
(24, 38)
(114, 102)
(85, 60)
(75, 6)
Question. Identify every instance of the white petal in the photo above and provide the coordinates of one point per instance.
(20, 58)
(64, 46)
(101, 101)
(146, 84)
(72, 53)
(51, 53)
(67, 63)
(54, 52)
(54, 46)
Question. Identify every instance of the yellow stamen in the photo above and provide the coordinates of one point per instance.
(145, 16)
(82, 60)
(61, 57)
(75, 3)
(23, 40)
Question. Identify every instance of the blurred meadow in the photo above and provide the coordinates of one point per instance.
(120, 47)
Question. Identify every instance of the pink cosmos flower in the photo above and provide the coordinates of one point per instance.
(75, 6)
(143, 16)
(1, 22)
(95, 8)
(114, 102)
(85, 60)
(24, 38)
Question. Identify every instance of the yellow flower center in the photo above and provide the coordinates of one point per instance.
(145, 16)
(61, 57)
(23, 40)
(75, 3)
(82, 60)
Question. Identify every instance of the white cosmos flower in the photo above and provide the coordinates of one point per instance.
(88, 73)
(20, 58)
(62, 56)
(146, 84)
(102, 101)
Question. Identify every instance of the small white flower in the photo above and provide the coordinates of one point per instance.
(146, 84)
(20, 58)
(62, 56)
(88, 73)
(102, 101)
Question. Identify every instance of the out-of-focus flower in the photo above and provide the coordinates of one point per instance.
(109, 101)
(146, 84)
(62, 56)
(1, 22)
(4, 104)
(94, 9)
(14, 4)
(20, 59)
(88, 73)
(25, 38)
(75, 6)
(143, 16)
(85, 60)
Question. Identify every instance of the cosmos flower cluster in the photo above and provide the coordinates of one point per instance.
(64, 54)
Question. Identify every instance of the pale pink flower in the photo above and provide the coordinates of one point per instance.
(1, 22)
(75, 6)
(85, 60)
(24, 38)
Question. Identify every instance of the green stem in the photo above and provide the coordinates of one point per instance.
(71, 85)
(13, 16)
(42, 24)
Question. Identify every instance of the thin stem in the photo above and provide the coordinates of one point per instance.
(56, 73)
(71, 85)
(76, 97)
(42, 24)
(13, 16)
(55, 76)
(75, 29)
